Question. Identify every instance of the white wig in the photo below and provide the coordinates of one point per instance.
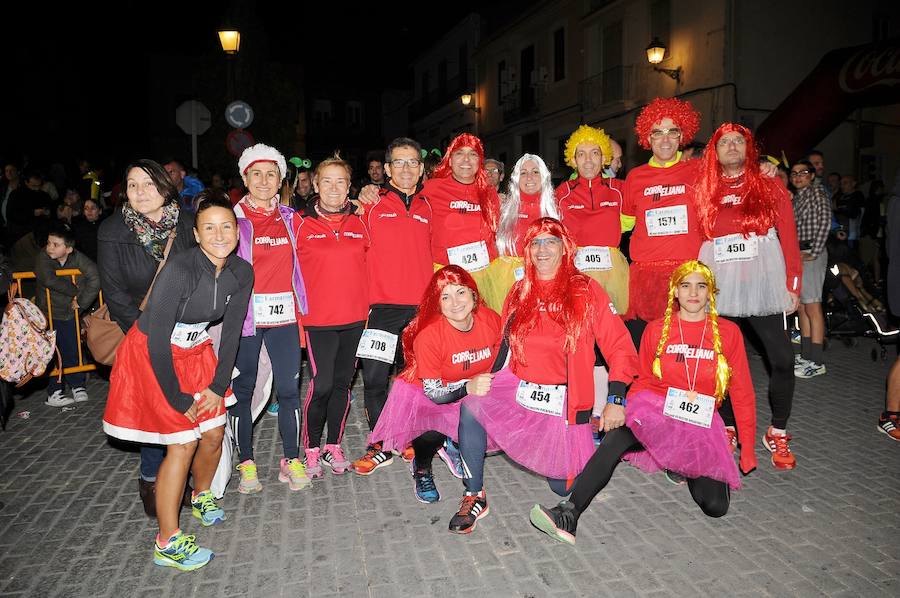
(509, 211)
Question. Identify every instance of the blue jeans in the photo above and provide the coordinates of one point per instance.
(67, 343)
(152, 456)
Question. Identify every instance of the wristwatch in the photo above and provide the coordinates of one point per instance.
(616, 400)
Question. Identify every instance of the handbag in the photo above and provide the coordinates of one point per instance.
(102, 334)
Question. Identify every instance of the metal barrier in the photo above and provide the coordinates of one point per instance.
(73, 273)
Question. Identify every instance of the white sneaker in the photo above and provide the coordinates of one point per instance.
(800, 363)
(57, 399)
(80, 394)
(812, 369)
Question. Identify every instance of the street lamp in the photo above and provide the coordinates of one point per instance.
(230, 40)
(656, 51)
(467, 100)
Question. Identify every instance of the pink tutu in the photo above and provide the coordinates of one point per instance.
(692, 451)
(542, 443)
(408, 414)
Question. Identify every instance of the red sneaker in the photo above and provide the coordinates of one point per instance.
(407, 454)
(777, 444)
(890, 426)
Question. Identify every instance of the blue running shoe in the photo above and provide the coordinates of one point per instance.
(182, 553)
(426, 491)
(272, 409)
(205, 508)
(449, 454)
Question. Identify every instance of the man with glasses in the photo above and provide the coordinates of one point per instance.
(399, 268)
(495, 173)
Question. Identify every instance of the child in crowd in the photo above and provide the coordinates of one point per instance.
(65, 298)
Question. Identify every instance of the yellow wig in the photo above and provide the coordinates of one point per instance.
(586, 134)
(723, 370)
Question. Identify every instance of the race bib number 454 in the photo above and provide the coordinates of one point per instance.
(471, 256)
(672, 220)
(378, 345)
(548, 399)
(689, 407)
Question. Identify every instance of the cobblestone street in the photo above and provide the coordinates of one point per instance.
(72, 524)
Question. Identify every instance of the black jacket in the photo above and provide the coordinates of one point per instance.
(126, 269)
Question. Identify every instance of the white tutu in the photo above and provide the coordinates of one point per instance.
(753, 287)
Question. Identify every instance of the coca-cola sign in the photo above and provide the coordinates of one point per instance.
(870, 67)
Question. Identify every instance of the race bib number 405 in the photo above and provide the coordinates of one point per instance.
(273, 309)
(378, 345)
(666, 221)
(679, 405)
(187, 336)
(735, 248)
(471, 256)
(593, 258)
(548, 399)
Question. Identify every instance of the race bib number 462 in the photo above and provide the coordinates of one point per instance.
(672, 220)
(689, 407)
(378, 345)
(471, 256)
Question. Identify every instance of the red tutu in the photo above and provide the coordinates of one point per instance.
(690, 450)
(648, 286)
(137, 410)
(545, 444)
(408, 414)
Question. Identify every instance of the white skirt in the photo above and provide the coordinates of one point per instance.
(753, 287)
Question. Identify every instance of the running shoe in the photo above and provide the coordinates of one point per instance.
(811, 370)
(889, 426)
(778, 445)
(333, 457)
(675, 478)
(558, 522)
(293, 472)
(407, 454)
(472, 507)
(272, 409)
(182, 553)
(449, 454)
(731, 438)
(372, 460)
(80, 394)
(799, 362)
(205, 508)
(57, 399)
(312, 459)
(249, 480)
(426, 490)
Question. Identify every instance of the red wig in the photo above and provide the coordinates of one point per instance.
(566, 298)
(681, 112)
(758, 208)
(487, 197)
(430, 311)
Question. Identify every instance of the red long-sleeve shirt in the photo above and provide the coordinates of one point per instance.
(452, 355)
(590, 209)
(650, 187)
(399, 259)
(544, 355)
(680, 353)
(333, 260)
(456, 218)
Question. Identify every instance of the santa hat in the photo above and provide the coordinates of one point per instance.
(261, 153)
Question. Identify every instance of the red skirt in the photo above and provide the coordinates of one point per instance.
(648, 288)
(137, 410)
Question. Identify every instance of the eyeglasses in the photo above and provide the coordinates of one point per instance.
(799, 172)
(725, 141)
(492, 170)
(552, 241)
(672, 133)
(400, 163)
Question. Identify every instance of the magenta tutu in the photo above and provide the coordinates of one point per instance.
(542, 443)
(692, 451)
(408, 414)
(137, 410)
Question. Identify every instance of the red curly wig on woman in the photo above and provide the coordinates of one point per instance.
(566, 297)
(758, 205)
(681, 112)
(487, 197)
(430, 311)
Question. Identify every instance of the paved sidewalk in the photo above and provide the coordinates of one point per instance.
(72, 524)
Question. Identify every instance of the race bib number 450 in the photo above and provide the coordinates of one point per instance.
(273, 309)
(548, 399)
(471, 256)
(378, 345)
(735, 248)
(689, 407)
(672, 220)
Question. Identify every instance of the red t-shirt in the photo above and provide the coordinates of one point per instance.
(444, 352)
(271, 251)
(653, 188)
(685, 351)
(590, 209)
(529, 211)
(456, 218)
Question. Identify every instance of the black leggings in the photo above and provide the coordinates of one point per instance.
(426, 447)
(332, 361)
(780, 356)
(712, 496)
(376, 374)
